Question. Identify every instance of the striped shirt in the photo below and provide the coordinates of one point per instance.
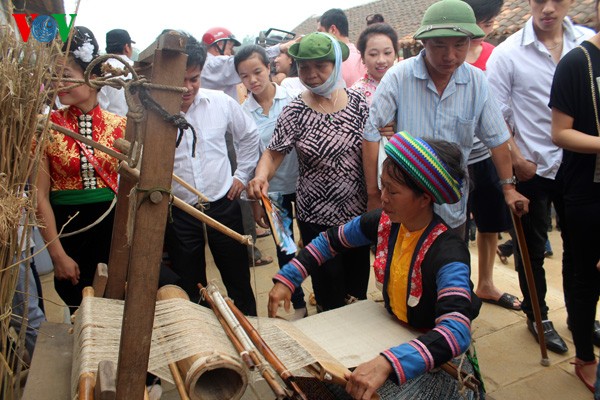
(464, 111)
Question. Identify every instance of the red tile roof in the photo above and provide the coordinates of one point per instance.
(405, 16)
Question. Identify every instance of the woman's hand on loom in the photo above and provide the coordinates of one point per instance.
(367, 378)
(276, 295)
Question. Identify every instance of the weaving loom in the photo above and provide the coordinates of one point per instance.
(324, 345)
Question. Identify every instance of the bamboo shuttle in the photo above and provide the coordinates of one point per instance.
(238, 335)
(207, 376)
(266, 351)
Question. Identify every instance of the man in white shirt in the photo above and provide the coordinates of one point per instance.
(335, 23)
(212, 114)
(111, 99)
(520, 72)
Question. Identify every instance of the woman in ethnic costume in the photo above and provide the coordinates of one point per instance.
(324, 125)
(76, 178)
(427, 274)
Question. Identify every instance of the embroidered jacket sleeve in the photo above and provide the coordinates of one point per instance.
(359, 232)
(451, 335)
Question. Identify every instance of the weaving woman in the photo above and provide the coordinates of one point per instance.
(74, 178)
(427, 282)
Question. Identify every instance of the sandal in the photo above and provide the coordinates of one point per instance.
(261, 233)
(578, 365)
(264, 260)
(502, 257)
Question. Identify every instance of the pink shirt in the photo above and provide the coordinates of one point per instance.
(353, 68)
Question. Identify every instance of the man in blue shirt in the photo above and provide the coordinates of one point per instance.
(437, 95)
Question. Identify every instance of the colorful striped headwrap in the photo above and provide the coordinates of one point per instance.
(423, 165)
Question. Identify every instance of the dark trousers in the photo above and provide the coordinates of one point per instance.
(282, 258)
(540, 192)
(345, 274)
(87, 248)
(185, 243)
(583, 223)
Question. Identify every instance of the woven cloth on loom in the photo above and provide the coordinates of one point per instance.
(181, 329)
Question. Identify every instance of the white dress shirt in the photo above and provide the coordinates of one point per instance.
(111, 99)
(213, 114)
(520, 72)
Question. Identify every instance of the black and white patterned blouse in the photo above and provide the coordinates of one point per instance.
(331, 188)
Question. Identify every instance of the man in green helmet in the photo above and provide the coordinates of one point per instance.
(437, 95)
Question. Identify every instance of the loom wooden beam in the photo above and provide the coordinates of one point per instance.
(156, 169)
(100, 279)
(106, 387)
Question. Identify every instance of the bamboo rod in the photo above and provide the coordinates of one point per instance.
(239, 335)
(245, 355)
(194, 212)
(266, 351)
(123, 146)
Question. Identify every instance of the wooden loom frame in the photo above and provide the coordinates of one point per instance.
(138, 265)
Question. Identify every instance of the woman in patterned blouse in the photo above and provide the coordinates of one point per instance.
(74, 178)
(324, 125)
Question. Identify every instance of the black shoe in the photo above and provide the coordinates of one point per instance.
(553, 340)
(596, 336)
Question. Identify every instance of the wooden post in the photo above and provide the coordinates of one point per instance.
(118, 260)
(150, 219)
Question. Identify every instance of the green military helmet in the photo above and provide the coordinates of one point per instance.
(449, 18)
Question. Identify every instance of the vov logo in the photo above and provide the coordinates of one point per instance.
(44, 27)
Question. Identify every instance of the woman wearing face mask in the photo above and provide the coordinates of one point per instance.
(324, 126)
(378, 46)
(265, 102)
(74, 178)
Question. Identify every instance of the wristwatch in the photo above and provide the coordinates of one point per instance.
(509, 181)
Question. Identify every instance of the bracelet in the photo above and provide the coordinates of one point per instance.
(509, 181)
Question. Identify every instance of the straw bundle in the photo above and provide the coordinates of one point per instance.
(24, 75)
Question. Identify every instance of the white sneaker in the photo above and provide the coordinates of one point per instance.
(154, 392)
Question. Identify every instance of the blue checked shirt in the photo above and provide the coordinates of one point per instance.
(465, 110)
